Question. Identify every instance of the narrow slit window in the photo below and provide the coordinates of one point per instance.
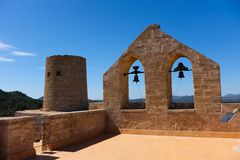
(58, 73)
(48, 74)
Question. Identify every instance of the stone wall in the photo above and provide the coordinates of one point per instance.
(16, 138)
(69, 128)
(207, 134)
(173, 120)
(96, 105)
(229, 107)
(157, 52)
(37, 114)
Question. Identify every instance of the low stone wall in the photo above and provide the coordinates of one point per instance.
(206, 134)
(173, 120)
(95, 105)
(229, 107)
(37, 114)
(68, 128)
(16, 138)
(37, 122)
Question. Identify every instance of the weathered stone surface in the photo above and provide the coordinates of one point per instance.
(157, 52)
(16, 138)
(37, 114)
(198, 134)
(229, 107)
(96, 105)
(69, 128)
(179, 120)
(65, 84)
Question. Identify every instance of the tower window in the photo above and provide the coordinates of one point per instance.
(58, 73)
(48, 74)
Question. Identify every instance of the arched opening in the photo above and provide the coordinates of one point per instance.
(182, 86)
(136, 87)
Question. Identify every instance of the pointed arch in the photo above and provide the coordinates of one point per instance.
(136, 91)
(180, 103)
(173, 58)
(126, 64)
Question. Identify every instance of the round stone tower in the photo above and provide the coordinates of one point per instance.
(65, 84)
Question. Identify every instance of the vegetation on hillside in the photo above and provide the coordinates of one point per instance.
(16, 101)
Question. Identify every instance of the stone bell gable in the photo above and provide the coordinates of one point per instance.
(157, 52)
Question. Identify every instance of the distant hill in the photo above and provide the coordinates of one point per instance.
(231, 98)
(186, 99)
(137, 100)
(16, 101)
(41, 98)
(176, 99)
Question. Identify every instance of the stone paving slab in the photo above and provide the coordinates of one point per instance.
(147, 147)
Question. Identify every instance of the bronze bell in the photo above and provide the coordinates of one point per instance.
(136, 72)
(181, 74)
(136, 79)
(180, 68)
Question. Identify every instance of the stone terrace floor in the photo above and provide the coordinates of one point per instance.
(145, 147)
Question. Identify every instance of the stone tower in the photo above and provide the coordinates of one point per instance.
(65, 84)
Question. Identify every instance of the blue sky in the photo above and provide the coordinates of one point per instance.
(31, 30)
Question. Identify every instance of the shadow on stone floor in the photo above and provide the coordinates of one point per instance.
(87, 143)
(44, 157)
